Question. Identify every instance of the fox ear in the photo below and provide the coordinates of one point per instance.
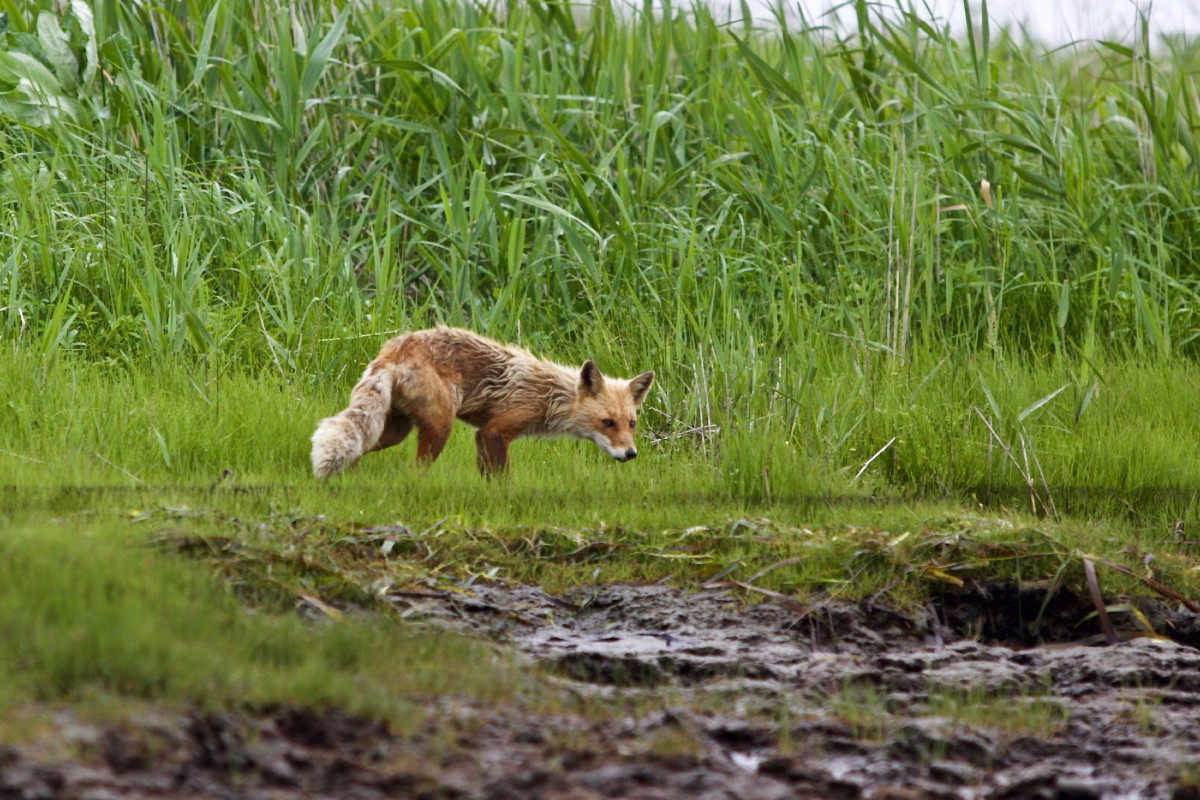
(591, 382)
(639, 386)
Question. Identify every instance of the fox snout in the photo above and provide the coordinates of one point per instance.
(621, 453)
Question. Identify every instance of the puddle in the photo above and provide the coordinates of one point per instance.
(762, 702)
(990, 692)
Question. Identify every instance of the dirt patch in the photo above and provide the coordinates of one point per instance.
(697, 695)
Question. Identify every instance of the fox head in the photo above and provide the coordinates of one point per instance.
(605, 410)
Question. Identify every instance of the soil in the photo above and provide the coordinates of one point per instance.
(991, 692)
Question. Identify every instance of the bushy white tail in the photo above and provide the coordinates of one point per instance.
(341, 440)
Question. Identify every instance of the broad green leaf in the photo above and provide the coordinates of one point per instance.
(247, 115)
(44, 100)
(15, 106)
(57, 48)
(768, 74)
(1116, 48)
(83, 15)
(201, 65)
(408, 65)
(16, 66)
(987, 393)
(551, 208)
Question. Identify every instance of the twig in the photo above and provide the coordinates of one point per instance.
(18, 455)
(121, 470)
(791, 602)
(787, 562)
(1037, 462)
(363, 335)
(1089, 571)
(1028, 472)
(878, 453)
(431, 528)
(225, 474)
(703, 432)
(1033, 495)
(322, 606)
(1165, 591)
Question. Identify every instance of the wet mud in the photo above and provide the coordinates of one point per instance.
(989, 692)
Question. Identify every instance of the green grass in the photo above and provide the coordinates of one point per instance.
(228, 458)
(868, 366)
(131, 468)
(249, 182)
(89, 618)
(1025, 712)
(959, 430)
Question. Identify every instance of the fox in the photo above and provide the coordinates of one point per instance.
(426, 379)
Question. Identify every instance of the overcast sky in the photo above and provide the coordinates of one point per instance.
(1056, 21)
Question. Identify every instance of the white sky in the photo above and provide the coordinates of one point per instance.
(1053, 21)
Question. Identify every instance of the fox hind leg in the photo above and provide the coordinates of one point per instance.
(428, 403)
(395, 429)
(433, 431)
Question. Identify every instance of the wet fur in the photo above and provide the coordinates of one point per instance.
(427, 379)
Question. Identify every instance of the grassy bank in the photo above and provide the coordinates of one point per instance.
(92, 620)
(112, 480)
(1013, 487)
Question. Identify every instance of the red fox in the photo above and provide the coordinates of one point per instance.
(425, 379)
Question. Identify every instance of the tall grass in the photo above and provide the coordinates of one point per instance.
(260, 181)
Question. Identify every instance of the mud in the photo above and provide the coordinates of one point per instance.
(991, 692)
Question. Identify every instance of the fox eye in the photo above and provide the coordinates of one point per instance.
(608, 423)
(632, 424)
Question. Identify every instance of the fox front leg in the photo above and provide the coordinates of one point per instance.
(491, 450)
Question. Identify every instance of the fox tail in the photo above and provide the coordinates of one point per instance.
(341, 440)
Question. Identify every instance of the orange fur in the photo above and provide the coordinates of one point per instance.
(426, 379)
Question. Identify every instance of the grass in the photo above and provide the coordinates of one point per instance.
(215, 468)
(920, 309)
(1000, 432)
(281, 185)
(871, 716)
(98, 619)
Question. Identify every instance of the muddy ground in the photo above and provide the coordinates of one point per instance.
(699, 695)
